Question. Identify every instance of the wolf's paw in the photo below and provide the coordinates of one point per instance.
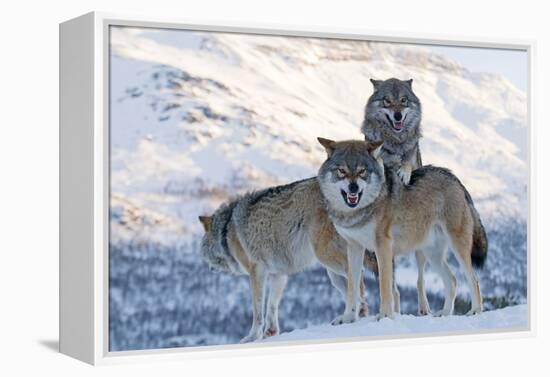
(363, 310)
(252, 337)
(344, 318)
(380, 316)
(404, 174)
(474, 311)
(443, 313)
(423, 311)
(397, 309)
(271, 331)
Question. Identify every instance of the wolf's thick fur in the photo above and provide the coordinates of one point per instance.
(430, 213)
(270, 234)
(393, 101)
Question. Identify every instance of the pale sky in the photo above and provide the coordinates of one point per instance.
(512, 64)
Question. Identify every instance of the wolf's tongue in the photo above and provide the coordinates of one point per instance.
(398, 125)
(352, 199)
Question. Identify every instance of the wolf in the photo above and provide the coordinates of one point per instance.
(393, 114)
(371, 208)
(270, 234)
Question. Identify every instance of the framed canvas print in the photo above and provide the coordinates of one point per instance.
(228, 189)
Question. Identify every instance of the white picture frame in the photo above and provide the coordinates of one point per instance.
(84, 189)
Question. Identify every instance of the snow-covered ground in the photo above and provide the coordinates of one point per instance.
(509, 318)
(197, 118)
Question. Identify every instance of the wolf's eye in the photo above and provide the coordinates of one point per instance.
(362, 173)
(341, 173)
(386, 102)
(404, 101)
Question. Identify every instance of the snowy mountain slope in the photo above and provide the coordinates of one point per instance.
(510, 318)
(204, 116)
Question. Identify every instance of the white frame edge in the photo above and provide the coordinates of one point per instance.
(76, 213)
(84, 223)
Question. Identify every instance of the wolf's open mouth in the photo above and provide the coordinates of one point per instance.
(351, 199)
(397, 125)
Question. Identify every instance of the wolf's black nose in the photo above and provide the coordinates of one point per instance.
(353, 187)
(398, 116)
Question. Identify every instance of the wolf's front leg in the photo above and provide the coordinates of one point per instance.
(341, 283)
(257, 283)
(384, 255)
(277, 284)
(404, 173)
(355, 256)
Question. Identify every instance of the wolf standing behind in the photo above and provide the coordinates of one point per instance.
(371, 208)
(270, 234)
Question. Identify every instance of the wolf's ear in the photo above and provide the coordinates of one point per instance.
(206, 222)
(409, 83)
(374, 148)
(376, 83)
(329, 145)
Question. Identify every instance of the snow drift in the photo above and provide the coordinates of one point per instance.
(510, 318)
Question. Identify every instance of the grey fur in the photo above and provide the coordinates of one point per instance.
(331, 184)
(214, 248)
(398, 147)
(271, 226)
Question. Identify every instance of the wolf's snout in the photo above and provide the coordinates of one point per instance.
(398, 121)
(397, 116)
(352, 198)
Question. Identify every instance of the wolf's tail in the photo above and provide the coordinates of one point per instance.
(480, 245)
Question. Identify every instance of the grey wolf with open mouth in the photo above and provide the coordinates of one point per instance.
(392, 115)
(372, 209)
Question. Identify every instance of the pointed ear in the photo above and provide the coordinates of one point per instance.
(376, 83)
(329, 145)
(409, 83)
(374, 148)
(206, 222)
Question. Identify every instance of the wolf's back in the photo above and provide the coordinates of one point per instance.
(263, 200)
(480, 243)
